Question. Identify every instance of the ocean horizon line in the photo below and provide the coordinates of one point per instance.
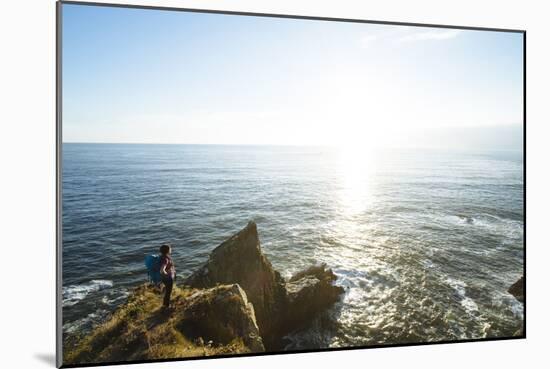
(321, 146)
(193, 144)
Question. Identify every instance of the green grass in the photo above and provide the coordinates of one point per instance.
(141, 330)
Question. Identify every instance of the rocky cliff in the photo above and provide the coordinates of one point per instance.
(280, 305)
(309, 292)
(240, 260)
(517, 290)
(235, 303)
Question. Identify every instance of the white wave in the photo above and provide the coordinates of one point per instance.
(73, 294)
(428, 264)
(505, 300)
(517, 308)
(459, 286)
(469, 305)
(86, 322)
(510, 231)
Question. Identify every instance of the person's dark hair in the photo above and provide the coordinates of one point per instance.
(165, 249)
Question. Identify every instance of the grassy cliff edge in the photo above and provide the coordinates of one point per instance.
(235, 303)
(205, 322)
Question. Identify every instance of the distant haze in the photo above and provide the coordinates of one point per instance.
(505, 137)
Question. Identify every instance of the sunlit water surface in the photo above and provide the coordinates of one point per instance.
(425, 242)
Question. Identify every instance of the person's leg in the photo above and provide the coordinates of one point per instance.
(168, 283)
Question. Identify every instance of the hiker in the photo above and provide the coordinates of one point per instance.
(167, 272)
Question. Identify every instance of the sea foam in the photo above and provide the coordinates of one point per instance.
(73, 294)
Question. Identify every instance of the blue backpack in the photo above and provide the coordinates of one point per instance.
(152, 262)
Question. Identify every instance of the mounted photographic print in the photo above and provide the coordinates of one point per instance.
(244, 184)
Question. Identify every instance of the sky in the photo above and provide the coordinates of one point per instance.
(153, 76)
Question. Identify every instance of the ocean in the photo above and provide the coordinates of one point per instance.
(425, 242)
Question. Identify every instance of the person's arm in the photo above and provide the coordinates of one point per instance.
(163, 266)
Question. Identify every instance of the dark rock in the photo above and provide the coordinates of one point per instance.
(240, 260)
(310, 292)
(279, 306)
(517, 290)
(320, 272)
(220, 315)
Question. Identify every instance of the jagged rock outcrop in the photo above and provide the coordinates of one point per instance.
(213, 321)
(240, 260)
(222, 314)
(309, 292)
(517, 290)
(280, 305)
(235, 303)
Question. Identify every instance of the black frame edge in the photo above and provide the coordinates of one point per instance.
(288, 16)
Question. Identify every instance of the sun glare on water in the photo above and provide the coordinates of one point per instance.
(357, 167)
